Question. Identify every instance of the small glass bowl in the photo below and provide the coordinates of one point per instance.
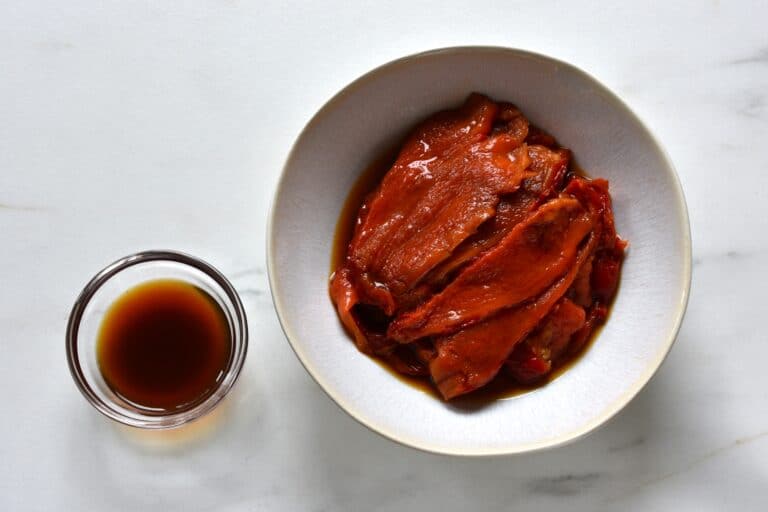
(93, 302)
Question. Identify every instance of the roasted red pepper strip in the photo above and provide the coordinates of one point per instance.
(470, 358)
(534, 254)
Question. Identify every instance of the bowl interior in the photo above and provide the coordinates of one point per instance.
(375, 112)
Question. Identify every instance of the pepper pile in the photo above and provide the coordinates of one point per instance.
(480, 251)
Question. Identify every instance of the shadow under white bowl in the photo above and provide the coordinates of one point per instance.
(607, 139)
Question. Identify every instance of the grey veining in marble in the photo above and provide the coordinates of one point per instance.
(758, 57)
(134, 125)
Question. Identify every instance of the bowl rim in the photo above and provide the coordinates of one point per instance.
(610, 411)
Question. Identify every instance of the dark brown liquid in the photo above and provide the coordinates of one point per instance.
(164, 345)
(503, 385)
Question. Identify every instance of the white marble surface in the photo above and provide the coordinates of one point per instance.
(133, 125)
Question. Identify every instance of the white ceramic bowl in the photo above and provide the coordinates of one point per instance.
(608, 140)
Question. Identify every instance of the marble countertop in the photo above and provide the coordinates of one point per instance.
(134, 125)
